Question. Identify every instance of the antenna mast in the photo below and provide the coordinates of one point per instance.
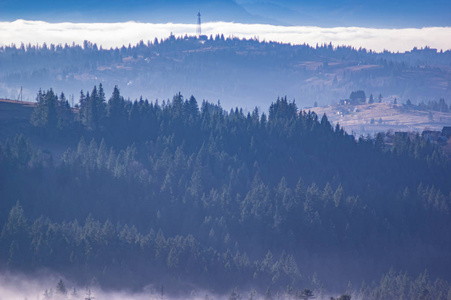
(20, 95)
(199, 30)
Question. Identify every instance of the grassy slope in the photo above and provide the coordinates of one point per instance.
(357, 119)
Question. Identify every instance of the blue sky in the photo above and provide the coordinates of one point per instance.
(377, 14)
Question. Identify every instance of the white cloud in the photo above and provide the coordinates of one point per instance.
(117, 34)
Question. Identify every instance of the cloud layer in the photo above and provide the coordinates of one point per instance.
(117, 34)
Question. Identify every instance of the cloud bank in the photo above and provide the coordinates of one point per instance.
(113, 35)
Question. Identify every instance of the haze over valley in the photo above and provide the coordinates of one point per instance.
(275, 150)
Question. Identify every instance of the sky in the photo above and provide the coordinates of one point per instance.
(114, 35)
(322, 13)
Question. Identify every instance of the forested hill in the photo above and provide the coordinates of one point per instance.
(185, 194)
(243, 73)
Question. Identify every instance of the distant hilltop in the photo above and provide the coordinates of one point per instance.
(244, 73)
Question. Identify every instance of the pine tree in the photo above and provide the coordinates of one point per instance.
(117, 117)
(61, 288)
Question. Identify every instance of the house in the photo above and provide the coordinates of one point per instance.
(402, 134)
(446, 132)
(431, 135)
(357, 97)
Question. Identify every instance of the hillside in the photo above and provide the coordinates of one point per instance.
(15, 120)
(238, 73)
(355, 119)
(358, 120)
(190, 196)
(382, 117)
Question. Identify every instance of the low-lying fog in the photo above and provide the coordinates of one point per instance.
(117, 34)
(46, 286)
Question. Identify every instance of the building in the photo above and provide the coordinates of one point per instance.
(446, 132)
(431, 135)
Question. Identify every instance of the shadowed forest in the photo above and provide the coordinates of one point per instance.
(186, 195)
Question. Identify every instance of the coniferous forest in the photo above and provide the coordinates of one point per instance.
(186, 195)
(240, 72)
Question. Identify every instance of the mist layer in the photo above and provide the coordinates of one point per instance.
(113, 35)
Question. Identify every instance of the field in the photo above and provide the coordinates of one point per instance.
(381, 117)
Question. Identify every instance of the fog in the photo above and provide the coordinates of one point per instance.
(117, 34)
(22, 287)
(43, 286)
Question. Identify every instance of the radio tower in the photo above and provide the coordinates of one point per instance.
(20, 95)
(199, 30)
